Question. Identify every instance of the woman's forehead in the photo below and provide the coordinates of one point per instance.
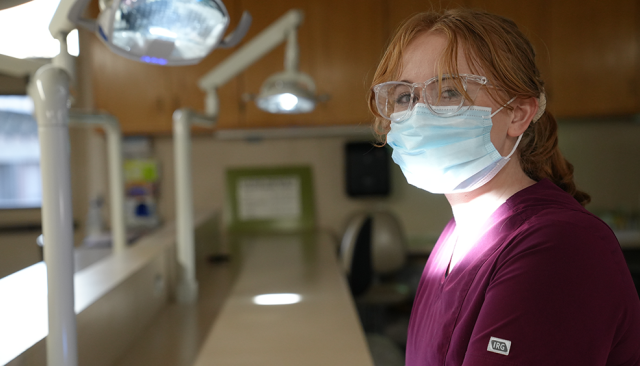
(421, 56)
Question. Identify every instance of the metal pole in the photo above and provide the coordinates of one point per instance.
(182, 120)
(50, 91)
(116, 177)
(116, 183)
(188, 286)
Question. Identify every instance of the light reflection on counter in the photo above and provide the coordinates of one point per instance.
(277, 299)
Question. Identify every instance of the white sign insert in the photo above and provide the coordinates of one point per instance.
(267, 198)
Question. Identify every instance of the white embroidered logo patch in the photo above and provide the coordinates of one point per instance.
(497, 345)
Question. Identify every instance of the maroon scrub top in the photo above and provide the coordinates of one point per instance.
(546, 284)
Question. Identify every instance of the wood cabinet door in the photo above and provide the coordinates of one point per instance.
(595, 57)
(588, 51)
(533, 20)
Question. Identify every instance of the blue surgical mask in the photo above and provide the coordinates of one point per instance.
(447, 154)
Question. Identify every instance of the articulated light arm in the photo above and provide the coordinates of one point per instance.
(292, 53)
(282, 29)
(61, 21)
(71, 11)
(63, 59)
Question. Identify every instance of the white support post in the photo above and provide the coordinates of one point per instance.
(116, 183)
(182, 120)
(50, 91)
(116, 176)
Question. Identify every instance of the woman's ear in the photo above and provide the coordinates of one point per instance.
(524, 109)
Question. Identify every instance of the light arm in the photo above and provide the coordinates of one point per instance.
(236, 36)
(61, 23)
(292, 54)
(282, 29)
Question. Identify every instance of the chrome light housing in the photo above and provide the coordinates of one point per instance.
(163, 32)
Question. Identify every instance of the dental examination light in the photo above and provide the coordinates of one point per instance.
(163, 32)
(290, 91)
(287, 92)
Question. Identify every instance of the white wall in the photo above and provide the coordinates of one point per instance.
(422, 214)
(605, 155)
(606, 158)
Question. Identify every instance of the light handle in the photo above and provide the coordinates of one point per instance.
(241, 30)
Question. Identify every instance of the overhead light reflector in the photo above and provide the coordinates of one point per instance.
(287, 92)
(178, 32)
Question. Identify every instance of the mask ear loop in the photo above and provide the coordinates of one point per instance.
(519, 137)
(542, 105)
(514, 147)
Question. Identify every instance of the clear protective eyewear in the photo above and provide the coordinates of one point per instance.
(395, 99)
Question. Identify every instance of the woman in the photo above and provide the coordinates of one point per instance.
(522, 274)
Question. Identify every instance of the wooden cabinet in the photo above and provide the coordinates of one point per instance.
(595, 57)
(533, 20)
(588, 53)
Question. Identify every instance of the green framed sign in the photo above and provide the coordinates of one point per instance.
(270, 199)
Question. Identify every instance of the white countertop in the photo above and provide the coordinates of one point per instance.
(24, 309)
(322, 329)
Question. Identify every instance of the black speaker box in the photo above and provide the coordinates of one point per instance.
(367, 168)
